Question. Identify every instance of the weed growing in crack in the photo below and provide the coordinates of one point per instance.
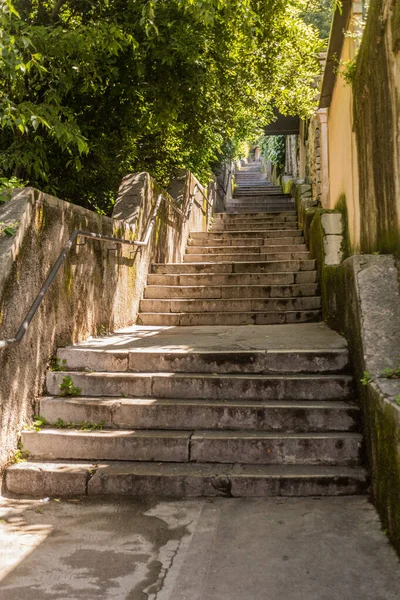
(56, 364)
(20, 455)
(81, 426)
(366, 378)
(68, 388)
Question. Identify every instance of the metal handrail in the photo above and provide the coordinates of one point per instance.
(80, 233)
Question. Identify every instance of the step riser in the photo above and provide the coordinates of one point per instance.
(263, 215)
(120, 414)
(229, 292)
(125, 446)
(200, 258)
(262, 249)
(266, 244)
(210, 388)
(237, 267)
(272, 236)
(230, 319)
(254, 318)
(207, 362)
(184, 447)
(236, 305)
(246, 218)
(125, 480)
(240, 279)
(284, 451)
(252, 225)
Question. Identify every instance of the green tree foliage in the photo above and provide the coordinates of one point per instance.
(93, 89)
(319, 13)
(273, 149)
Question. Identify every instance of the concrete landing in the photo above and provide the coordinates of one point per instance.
(307, 336)
(216, 549)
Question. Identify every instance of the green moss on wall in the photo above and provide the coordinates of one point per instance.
(380, 418)
(376, 126)
(382, 432)
(395, 24)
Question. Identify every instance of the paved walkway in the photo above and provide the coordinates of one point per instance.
(219, 549)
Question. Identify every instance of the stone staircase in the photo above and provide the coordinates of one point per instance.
(253, 396)
(251, 269)
(254, 193)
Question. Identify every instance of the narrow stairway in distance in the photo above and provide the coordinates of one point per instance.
(230, 385)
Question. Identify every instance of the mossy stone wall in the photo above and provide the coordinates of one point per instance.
(361, 300)
(376, 89)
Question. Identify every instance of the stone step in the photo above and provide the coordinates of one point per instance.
(226, 318)
(138, 413)
(251, 226)
(269, 202)
(207, 386)
(256, 191)
(247, 249)
(221, 257)
(234, 267)
(254, 217)
(250, 447)
(224, 242)
(230, 216)
(175, 480)
(259, 208)
(233, 279)
(230, 291)
(199, 305)
(246, 233)
(192, 361)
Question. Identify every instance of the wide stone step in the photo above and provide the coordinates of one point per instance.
(253, 242)
(251, 226)
(138, 413)
(230, 291)
(207, 386)
(249, 234)
(247, 249)
(238, 209)
(187, 480)
(234, 267)
(230, 305)
(244, 191)
(254, 215)
(227, 242)
(254, 218)
(239, 279)
(246, 447)
(268, 202)
(192, 361)
(228, 318)
(245, 256)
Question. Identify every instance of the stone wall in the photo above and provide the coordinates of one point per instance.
(313, 168)
(361, 300)
(292, 156)
(98, 288)
(377, 126)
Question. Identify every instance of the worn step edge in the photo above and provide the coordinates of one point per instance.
(211, 386)
(223, 361)
(182, 414)
(253, 447)
(183, 319)
(74, 479)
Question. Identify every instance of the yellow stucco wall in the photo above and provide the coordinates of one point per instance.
(343, 166)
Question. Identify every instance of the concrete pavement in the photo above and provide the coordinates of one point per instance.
(207, 549)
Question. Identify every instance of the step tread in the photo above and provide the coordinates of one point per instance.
(250, 376)
(300, 404)
(190, 434)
